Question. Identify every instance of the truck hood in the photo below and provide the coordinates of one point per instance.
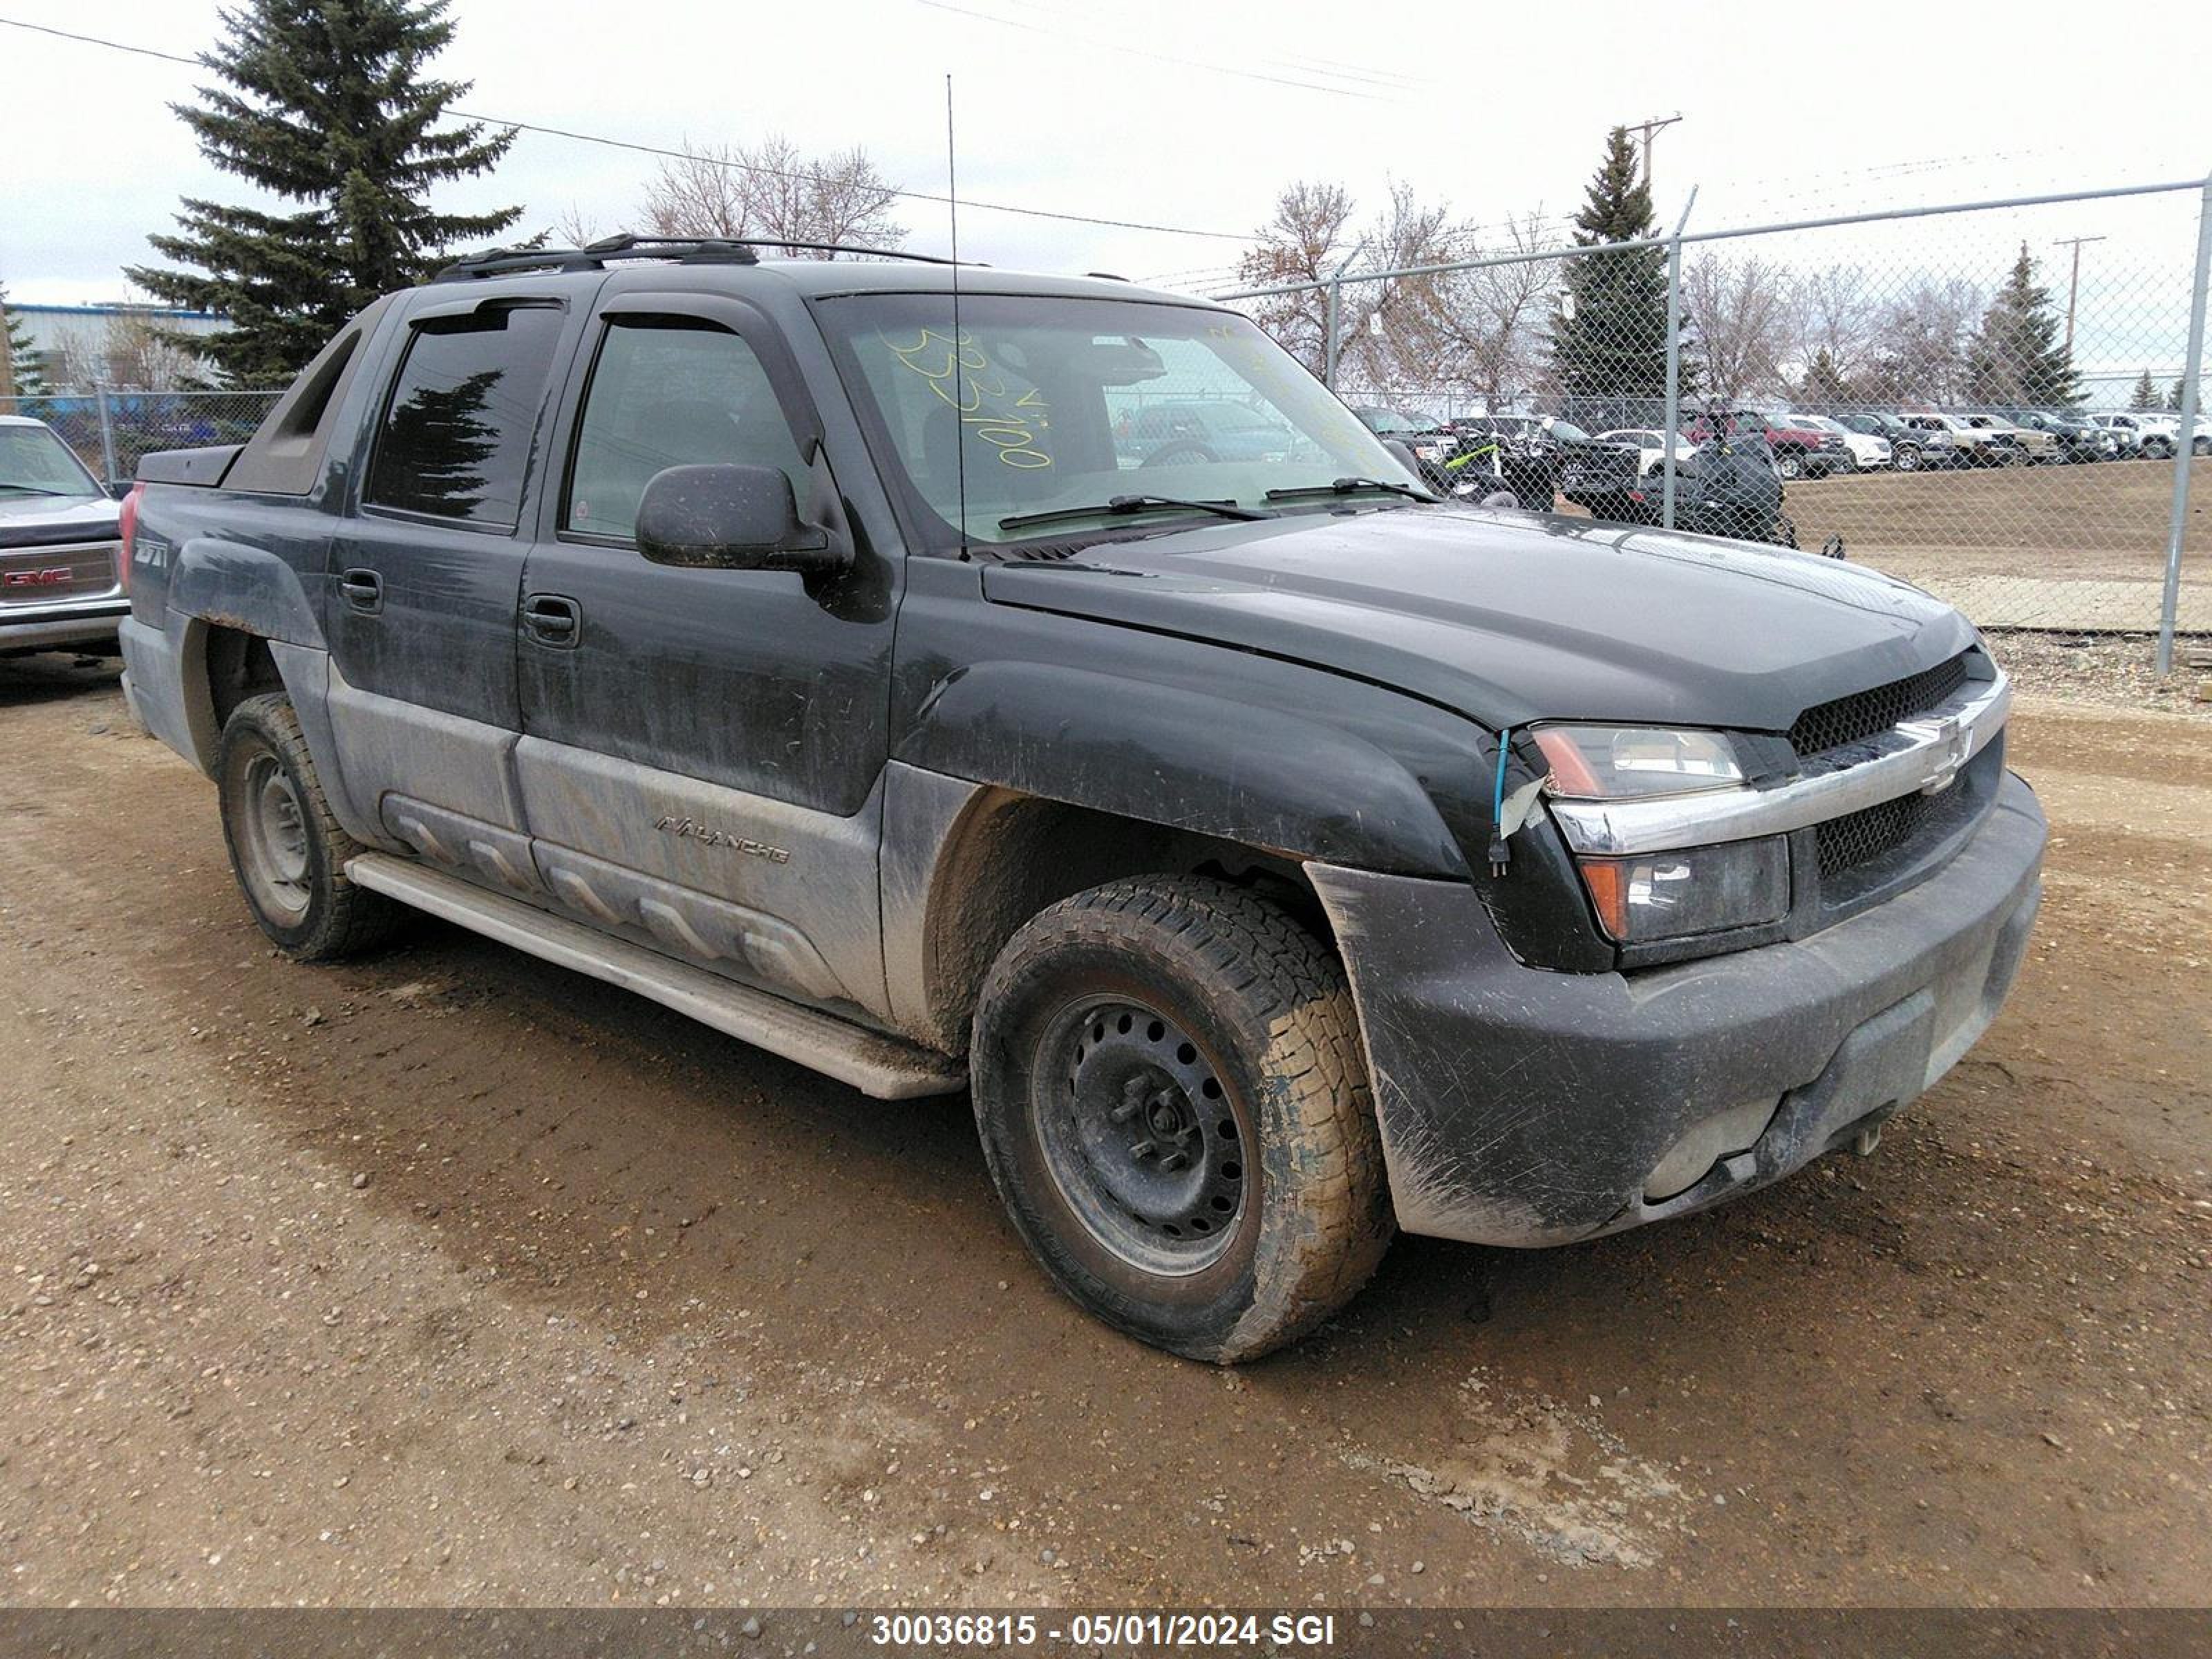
(1508, 617)
(40, 520)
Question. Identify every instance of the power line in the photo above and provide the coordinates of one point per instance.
(678, 155)
(1139, 52)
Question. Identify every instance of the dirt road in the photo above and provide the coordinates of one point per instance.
(447, 1276)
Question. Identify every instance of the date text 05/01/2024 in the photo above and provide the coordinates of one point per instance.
(1092, 1630)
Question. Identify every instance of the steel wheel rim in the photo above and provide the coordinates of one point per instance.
(275, 839)
(1140, 1136)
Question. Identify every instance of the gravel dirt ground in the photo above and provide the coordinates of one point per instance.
(444, 1276)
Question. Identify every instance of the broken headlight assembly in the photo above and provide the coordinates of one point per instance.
(1651, 898)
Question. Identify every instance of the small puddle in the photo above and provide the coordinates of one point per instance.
(1551, 1476)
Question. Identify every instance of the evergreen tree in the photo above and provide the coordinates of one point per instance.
(324, 105)
(2017, 357)
(2146, 393)
(1824, 385)
(1609, 338)
(20, 374)
(2173, 398)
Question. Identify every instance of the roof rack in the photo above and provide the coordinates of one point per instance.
(682, 250)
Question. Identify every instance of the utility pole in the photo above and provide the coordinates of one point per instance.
(2074, 283)
(1650, 129)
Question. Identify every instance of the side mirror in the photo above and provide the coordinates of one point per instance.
(1402, 452)
(732, 518)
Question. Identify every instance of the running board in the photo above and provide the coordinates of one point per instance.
(874, 1064)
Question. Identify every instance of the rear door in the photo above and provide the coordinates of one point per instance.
(703, 749)
(425, 574)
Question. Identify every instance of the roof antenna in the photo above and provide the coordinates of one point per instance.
(959, 340)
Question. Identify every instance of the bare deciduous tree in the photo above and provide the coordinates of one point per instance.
(1923, 358)
(1738, 315)
(1491, 319)
(1835, 314)
(1306, 239)
(774, 191)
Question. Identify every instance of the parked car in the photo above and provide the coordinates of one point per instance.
(2157, 435)
(1431, 441)
(1911, 448)
(1801, 451)
(2078, 438)
(1537, 459)
(1976, 445)
(1650, 446)
(1277, 857)
(2030, 442)
(2127, 438)
(1200, 430)
(1869, 452)
(60, 586)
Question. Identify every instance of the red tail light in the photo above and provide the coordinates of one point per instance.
(127, 522)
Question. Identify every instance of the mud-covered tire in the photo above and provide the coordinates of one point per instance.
(287, 850)
(1252, 1031)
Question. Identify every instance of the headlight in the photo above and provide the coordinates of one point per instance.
(1702, 889)
(1667, 896)
(1620, 762)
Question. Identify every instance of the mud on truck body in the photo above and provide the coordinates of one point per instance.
(1278, 856)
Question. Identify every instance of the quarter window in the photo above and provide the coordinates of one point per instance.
(670, 391)
(456, 437)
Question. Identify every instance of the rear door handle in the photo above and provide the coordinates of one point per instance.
(363, 589)
(553, 619)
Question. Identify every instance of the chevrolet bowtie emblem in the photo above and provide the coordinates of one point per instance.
(1946, 754)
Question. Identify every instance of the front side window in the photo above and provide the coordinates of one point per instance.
(670, 391)
(1058, 405)
(455, 441)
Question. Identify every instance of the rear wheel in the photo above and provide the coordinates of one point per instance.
(287, 850)
(1169, 1091)
(1906, 457)
(1790, 465)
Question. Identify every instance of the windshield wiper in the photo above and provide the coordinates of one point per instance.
(1347, 486)
(31, 490)
(1121, 506)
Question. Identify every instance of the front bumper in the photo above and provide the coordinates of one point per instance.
(52, 627)
(1523, 1107)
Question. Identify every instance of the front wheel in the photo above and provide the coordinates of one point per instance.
(287, 849)
(1173, 1105)
(1906, 458)
(1790, 466)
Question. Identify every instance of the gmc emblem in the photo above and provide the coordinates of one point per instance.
(57, 577)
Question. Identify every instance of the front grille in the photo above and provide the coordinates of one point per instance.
(1864, 713)
(1859, 838)
(40, 575)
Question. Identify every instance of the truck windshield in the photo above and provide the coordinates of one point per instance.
(35, 462)
(1048, 405)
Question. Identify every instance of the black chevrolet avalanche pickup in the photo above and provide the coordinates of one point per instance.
(1278, 856)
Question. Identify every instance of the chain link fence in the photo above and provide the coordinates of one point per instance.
(1996, 401)
(110, 430)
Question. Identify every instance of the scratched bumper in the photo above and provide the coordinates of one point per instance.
(1525, 1108)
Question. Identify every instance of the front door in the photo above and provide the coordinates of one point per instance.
(424, 575)
(703, 749)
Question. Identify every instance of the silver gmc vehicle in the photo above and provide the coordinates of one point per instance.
(60, 582)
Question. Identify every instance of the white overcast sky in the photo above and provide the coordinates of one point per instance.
(1194, 115)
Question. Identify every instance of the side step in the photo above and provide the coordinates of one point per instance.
(872, 1063)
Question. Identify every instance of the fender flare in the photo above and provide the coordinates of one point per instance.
(1271, 779)
(229, 585)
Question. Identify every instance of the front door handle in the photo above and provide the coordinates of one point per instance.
(553, 619)
(363, 589)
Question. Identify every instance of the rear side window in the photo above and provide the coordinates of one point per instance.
(455, 440)
(670, 392)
